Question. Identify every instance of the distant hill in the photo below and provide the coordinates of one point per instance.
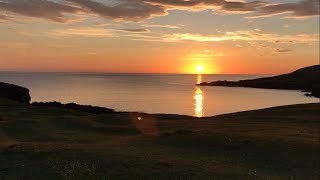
(306, 79)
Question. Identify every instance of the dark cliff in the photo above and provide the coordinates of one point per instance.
(14, 92)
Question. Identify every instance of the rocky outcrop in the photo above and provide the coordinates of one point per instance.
(14, 92)
(306, 79)
(74, 106)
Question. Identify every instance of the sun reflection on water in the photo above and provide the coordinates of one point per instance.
(199, 79)
(198, 97)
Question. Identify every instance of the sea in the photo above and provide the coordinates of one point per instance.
(153, 93)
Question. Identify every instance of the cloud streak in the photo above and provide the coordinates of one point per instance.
(135, 30)
(211, 4)
(132, 10)
(138, 10)
(162, 26)
(82, 31)
(301, 9)
(249, 35)
(38, 9)
(128, 10)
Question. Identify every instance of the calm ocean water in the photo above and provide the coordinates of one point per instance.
(152, 93)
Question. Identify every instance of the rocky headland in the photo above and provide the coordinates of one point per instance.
(306, 79)
(15, 93)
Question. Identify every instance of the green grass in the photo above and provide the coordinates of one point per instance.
(42, 142)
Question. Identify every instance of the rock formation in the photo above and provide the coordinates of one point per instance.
(14, 92)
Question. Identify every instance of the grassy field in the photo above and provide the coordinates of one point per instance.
(51, 143)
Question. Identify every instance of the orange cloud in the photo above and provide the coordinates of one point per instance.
(82, 31)
(135, 30)
(247, 35)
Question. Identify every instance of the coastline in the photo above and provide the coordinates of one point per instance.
(104, 110)
(305, 80)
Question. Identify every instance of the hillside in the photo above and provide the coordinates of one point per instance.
(306, 79)
(54, 143)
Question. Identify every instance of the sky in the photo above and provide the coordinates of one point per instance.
(159, 36)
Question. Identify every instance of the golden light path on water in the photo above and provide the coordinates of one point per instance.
(198, 97)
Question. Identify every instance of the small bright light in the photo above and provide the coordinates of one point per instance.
(139, 118)
(200, 68)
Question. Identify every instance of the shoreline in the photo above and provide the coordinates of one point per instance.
(22, 94)
(105, 110)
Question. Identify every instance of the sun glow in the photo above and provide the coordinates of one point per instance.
(199, 63)
(199, 68)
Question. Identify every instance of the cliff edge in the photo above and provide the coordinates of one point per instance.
(15, 93)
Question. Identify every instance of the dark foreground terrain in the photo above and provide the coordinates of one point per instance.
(306, 79)
(52, 142)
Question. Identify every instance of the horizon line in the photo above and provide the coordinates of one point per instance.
(90, 72)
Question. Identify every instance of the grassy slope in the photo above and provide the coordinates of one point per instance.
(278, 142)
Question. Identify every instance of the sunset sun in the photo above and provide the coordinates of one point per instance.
(199, 68)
